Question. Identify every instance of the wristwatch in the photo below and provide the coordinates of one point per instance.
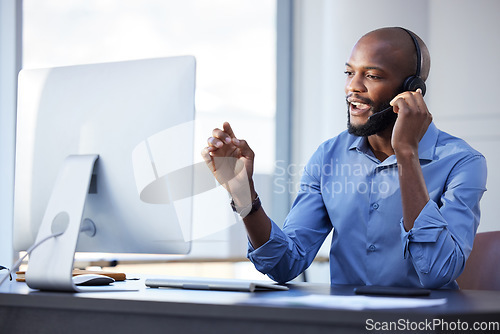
(248, 210)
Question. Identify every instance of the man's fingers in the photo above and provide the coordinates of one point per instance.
(214, 142)
(415, 102)
(393, 101)
(218, 138)
(407, 95)
(243, 147)
(205, 153)
(221, 135)
(227, 129)
(397, 103)
(222, 141)
(409, 100)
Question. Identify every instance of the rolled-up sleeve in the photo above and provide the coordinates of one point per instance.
(268, 255)
(443, 234)
(291, 250)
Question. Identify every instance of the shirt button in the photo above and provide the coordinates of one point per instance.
(372, 248)
(375, 206)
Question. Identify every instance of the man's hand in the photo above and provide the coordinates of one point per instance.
(231, 162)
(412, 122)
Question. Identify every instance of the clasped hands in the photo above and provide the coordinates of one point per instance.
(231, 162)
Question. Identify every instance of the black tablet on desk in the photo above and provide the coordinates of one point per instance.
(391, 291)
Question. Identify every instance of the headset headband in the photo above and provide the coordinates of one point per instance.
(417, 47)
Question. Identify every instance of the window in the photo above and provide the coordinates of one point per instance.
(234, 43)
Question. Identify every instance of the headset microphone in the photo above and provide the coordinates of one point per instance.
(380, 113)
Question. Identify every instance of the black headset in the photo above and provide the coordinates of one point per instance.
(414, 82)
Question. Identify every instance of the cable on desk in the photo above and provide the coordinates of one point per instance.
(28, 252)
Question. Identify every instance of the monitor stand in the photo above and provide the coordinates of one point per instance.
(50, 264)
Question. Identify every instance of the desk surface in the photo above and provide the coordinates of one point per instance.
(147, 310)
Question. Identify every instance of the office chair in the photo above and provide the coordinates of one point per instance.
(482, 269)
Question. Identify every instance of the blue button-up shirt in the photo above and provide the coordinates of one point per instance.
(344, 187)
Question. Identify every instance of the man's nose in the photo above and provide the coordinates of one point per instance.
(355, 83)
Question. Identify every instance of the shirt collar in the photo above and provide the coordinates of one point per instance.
(426, 147)
(359, 143)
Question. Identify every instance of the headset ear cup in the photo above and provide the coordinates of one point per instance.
(413, 83)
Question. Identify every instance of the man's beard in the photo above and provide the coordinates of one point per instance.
(378, 122)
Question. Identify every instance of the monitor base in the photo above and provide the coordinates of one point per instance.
(50, 265)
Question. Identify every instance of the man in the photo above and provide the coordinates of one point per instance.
(401, 196)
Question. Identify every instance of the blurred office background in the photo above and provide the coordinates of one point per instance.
(274, 69)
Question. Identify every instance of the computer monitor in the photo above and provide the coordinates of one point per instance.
(113, 141)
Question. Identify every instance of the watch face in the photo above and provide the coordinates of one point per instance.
(243, 212)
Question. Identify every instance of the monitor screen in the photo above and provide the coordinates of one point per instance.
(137, 117)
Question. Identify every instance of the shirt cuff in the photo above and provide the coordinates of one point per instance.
(426, 228)
(269, 254)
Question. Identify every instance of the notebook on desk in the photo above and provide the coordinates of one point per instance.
(199, 283)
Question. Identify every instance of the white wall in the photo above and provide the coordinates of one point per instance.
(462, 37)
(9, 64)
(464, 83)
